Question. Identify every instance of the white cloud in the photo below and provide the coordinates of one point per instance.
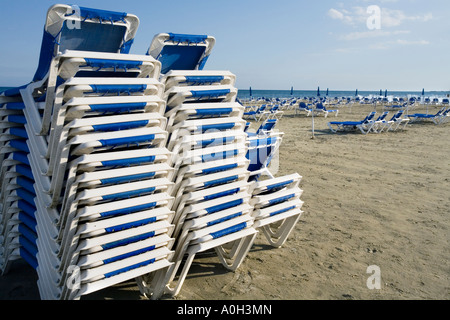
(408, 42)
(335, 14)
(389, 17)
(399, 42)
(371, 34)
(342, 15)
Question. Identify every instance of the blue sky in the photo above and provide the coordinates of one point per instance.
(273, 44)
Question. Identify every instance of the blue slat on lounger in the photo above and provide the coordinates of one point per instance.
(114, 64)
(128, 162)
(230, 230)
(21, 156)
(224, 206)
(120, 126)
(138, 265)
(219, 168)
(112, 88)
(128, 194)
(129, 254)
(128, 210)
(130, 178)
(118, 107)
(224, 219)
(127, 140)
(221, 194)
(134, 224)
(220, 181)
(210, 93)
(203, 79)
(129, 240)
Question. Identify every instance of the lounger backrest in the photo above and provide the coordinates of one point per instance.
(267, 125)
(369, 117)
(84, 29)
(181, 51)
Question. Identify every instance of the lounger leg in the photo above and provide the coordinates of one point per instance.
(153, 285)
(245, 246)
(173, 291)
(279, 236)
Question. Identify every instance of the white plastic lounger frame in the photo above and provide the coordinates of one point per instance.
(277, 207)
(206, 181)
(203, 111)
(177, 78)
(209, 194)
(210, 167)
(202, 240)
(85, 128)
(204, 126)
(180, 95)
(207, 154)
(395, 122)
(101, 161)
(209, 207)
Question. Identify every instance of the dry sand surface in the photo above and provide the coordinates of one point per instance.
(377, 199)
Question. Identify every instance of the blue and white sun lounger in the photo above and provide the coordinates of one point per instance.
(321, 109)
(258, 114)
(364, 125)
(395, 122)
(303, 107)
(277, 207)
(209, 145)
(435, 118)
(179, 78)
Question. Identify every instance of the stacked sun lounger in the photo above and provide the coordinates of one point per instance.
(88, 196)
(277, 207)
(208, 142)
(117, 166)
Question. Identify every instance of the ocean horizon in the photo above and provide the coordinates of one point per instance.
(245, 93)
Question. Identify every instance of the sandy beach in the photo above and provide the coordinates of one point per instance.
(369, 200)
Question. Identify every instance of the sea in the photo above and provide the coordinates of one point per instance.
(270, 94)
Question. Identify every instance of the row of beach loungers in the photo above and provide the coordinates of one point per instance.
(118, 167)
(274, 108)
(382, 124)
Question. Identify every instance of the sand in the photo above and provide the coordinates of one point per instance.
(369, 200)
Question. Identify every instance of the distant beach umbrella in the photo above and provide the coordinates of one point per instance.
(385, 93)
(292, 91)
(356, 93)
(423, 91)
(381, 92)
(327, 92)
(251, 92)
(318, 91)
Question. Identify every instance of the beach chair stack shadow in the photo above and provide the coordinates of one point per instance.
(85, 171)
(118, 167)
